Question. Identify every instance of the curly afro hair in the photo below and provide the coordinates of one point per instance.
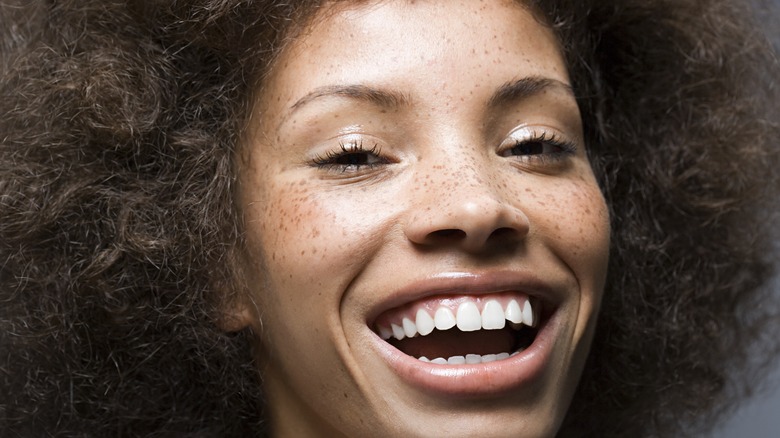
(119, 125)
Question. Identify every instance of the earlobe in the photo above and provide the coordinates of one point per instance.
(235, 305)
(236, 310)
(235, 316)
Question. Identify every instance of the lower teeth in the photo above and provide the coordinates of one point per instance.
(468, 359)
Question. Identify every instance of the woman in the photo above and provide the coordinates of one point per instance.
(396, 218)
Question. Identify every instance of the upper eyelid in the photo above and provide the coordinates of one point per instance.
(558, 132)
(352, 138)
(355, 141)
(546, 134)
(532, 131)
(354, 146)
(337, 142)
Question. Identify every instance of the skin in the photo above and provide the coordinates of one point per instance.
(445, 194)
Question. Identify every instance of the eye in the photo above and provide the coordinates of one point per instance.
(537, 146)
(532, 147)
(351, 157)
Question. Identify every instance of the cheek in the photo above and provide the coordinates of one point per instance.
(573, 218)
(288, 251)
(287, 231)
(310, 237)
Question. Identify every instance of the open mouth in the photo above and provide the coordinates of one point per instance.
(462, 330)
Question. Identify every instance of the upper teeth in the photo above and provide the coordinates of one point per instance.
(467, 318)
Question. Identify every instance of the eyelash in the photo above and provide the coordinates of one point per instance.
(346, 150)
(331, 158)
(565, 148)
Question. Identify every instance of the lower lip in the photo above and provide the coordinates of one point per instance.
(477, 380)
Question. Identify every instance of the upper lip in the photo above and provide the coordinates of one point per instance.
(468, 283)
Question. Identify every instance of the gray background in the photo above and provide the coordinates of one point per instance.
(760, 416)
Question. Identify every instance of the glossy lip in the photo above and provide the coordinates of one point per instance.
(476, 380)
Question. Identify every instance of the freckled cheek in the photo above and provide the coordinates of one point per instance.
(573, 219)
(315, 236)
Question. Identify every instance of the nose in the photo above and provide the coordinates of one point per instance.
(467, 208)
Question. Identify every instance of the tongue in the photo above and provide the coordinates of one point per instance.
(457, 343)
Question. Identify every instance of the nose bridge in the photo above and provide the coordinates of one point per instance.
(464, 183)
(463, 200)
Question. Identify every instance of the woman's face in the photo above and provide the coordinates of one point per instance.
(416, 170)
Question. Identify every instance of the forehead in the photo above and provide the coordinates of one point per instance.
(397, 32)
(429, 46)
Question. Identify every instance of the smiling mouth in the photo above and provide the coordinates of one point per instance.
(462, 330)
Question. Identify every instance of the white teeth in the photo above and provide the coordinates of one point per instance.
(514, 313)
(385, 333)
(528, 314)
(444, 319)
(493, 316)
(469, 359)
(398, 332)
(468, 317)
(410, 329)
(456, 360)
(425, 324)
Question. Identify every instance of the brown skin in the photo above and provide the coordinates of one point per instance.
(328, 243)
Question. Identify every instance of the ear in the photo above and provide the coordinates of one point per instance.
(236, 315)
(236, 308)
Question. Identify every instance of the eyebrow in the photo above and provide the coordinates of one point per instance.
(524, 88)
(382, 98)
(507, 93)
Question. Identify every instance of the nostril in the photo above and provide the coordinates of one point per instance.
(450, 233)
(457, 235)
(471, 225)
(503, 232)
